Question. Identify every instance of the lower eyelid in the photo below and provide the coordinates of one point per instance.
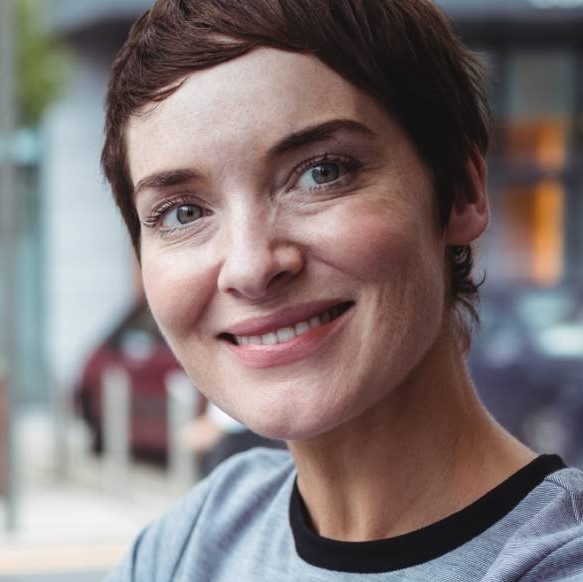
(188, 230)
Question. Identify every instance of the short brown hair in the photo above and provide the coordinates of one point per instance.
(401, 52)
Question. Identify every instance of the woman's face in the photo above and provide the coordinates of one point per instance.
(290, 250)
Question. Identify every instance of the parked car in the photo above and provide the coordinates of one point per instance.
(527, 363)
(136, 347)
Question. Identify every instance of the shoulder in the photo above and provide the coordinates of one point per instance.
(237, 487)
(259, 465)
(569, 487)
(558, 507)
(549, 544)
(245, 482)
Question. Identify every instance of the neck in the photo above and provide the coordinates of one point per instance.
(428, 450)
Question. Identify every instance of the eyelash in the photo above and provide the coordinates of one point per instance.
(158, 212)
(349, 165)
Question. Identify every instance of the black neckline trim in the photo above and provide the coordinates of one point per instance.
(422, 545)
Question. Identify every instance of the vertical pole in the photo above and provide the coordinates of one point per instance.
(61, 430)
(574, 185)
(8, 248)
(116, 418)
(181, 404)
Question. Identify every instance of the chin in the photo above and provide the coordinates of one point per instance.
(299, 426)
(288, 433)
(279, 429)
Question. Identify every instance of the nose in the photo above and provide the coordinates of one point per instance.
(257, 261)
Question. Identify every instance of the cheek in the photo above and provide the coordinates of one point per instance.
(177, 289)
(394, 258)
(372, 242)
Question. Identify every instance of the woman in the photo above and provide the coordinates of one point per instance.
(302, 180)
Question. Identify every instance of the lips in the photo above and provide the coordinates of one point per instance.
(287, 331)
(286, 337)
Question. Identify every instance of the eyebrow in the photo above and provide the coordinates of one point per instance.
(165, 179)
(319, 132)
(309, 135)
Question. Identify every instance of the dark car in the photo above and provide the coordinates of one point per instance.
(527, 363)
(136, 347)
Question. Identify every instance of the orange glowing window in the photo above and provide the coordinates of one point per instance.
(533, 219)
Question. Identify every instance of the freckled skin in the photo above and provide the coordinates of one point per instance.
(374, 242)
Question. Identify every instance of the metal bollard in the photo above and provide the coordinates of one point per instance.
(182, 399)
(4, 437)
(61, 402)
(116, 419)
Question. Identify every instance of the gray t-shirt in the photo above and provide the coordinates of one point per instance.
(247, 523)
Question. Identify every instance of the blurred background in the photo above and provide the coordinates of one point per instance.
(99, 429)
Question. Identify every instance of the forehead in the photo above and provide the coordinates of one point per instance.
(243, 105)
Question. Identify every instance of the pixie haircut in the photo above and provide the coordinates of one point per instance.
(403, 53)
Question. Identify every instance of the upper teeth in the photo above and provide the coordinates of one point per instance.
(285, 334)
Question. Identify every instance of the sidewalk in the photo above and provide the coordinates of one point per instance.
(82, 524)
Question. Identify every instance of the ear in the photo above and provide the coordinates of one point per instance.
(470, 214)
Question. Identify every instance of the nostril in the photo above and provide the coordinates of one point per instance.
(279, 276)
(252, 270)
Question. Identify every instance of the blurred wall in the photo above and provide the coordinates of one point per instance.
(90, 267)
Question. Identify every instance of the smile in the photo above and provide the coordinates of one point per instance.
(290, 341)
(286, 334)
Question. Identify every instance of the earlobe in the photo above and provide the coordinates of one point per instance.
(470, 213)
